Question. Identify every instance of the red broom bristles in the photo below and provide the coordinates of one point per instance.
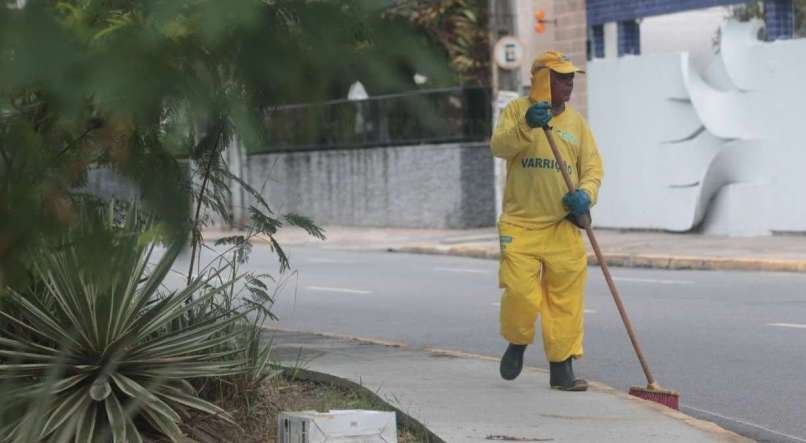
(670, 399)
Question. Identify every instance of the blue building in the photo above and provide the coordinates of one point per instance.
(779, 16)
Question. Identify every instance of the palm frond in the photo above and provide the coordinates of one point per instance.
(305, 223)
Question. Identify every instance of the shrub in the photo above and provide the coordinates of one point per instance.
(98, 349)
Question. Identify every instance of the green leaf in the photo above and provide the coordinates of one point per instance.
(48, 386)
(85, 423)
(67, 408)
(281, 256)
(155, 279)
(145, 395)
(200, 328)
(186, 387)
(263, 223)
(307, 224)
(27, 369)
(67, 383)
(116, 23)
(257, 195)
(44, 323)
(132, 388)
(163, 424)
(255, 280)
(192, 342)
(231, 240)
(66, 433)
(132, 433)
(117, 418)
(170, 309)
(28, 356)
(196, 403)
(27, 346)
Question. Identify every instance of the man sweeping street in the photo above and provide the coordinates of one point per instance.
(543, 262)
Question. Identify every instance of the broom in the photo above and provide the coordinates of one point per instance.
(652, 391)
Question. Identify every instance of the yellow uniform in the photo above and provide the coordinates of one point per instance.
(543, 263)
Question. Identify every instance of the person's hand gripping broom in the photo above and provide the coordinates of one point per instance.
(652, 391)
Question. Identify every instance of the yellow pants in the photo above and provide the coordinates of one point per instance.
(543, 271)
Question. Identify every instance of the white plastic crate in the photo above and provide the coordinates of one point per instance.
(347, 426)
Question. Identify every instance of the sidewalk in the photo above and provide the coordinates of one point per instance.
(461, 398)
(627, 249)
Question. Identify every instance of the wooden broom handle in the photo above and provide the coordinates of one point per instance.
(595, 245)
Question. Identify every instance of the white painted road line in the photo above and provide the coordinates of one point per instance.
(465, 270)
(788, 325)
(341, 290)
(652, 280)
(330, 261)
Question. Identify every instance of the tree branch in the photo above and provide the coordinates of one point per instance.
(5, 155)
(93, 125)
(197, 237)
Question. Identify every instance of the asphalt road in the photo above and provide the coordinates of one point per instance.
(733, 343)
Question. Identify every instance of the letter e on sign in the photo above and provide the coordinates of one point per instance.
(508, 53)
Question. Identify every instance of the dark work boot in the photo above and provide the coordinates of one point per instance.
(512, 362)
(562, 377)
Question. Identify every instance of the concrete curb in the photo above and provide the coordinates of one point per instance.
(671, 262)
(649, 261)
(703, 425)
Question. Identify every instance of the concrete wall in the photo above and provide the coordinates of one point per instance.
(424, 186)
(105, 184)
(717, 147)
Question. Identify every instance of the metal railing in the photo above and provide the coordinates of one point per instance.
(429, 116)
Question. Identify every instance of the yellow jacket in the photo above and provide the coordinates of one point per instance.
(535, 187)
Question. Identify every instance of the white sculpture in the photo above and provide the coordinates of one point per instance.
(719, 147)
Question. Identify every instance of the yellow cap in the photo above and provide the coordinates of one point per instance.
(556, 61)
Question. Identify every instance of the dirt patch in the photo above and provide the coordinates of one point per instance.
(256, 412)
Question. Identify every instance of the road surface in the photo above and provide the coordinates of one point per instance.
(733, 343)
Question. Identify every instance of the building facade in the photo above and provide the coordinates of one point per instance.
(587, 29)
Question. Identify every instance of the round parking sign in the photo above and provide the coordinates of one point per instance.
(508, 53)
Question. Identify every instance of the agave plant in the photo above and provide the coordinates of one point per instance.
(105, 353)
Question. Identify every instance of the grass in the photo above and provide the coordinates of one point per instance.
(256, 412)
